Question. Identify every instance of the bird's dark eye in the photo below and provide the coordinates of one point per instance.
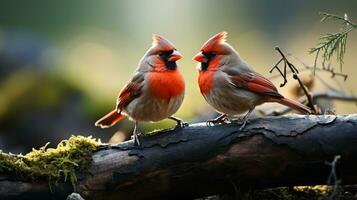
(209, 56)
(166, 54)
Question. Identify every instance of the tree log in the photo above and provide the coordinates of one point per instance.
(199, 160)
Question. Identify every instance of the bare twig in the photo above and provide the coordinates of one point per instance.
(295, 72)
(311, 68)
(333, 73)
(328, 69)
(344, 19)
(280, 72)
(332, 179)
(339, 90)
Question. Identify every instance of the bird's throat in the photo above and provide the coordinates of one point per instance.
(170, 65)
(204, 66)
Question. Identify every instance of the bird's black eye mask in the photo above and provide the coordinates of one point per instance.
(209, 56)
(165, 55)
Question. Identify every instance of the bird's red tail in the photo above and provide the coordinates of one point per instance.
(109, 119)
(294, 105)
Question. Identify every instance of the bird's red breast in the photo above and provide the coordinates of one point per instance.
(166, 84)
(205, 81)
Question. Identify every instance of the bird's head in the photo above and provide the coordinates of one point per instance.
(215, 53)
(162, 55)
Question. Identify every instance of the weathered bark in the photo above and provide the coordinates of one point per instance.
(198, 160)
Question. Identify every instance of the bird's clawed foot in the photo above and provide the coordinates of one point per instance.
(180, 122)
(243, 124)
(242, 121)
(245, 119)
(136, 135)
(222, 119)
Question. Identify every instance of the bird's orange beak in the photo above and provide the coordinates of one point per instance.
(200, 58)
(175, 56)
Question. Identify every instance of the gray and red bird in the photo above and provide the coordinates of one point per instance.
(155, 92)
(230, 85)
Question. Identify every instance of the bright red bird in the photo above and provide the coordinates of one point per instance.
(155, 92)
(230, 85)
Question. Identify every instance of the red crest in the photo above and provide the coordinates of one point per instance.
(214, 42)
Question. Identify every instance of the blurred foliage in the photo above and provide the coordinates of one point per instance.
(34, 104)
(25, 90)
(51, 164)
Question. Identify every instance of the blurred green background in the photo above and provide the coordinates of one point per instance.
(62, 63)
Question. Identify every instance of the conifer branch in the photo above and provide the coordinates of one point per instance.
(333, 43)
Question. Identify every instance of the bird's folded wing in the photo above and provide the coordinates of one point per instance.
(255, 82)
(131, 91)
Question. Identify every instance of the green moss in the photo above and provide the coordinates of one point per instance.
(317, 189)
(52, 164)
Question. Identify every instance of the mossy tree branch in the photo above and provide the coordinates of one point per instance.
(199, 160)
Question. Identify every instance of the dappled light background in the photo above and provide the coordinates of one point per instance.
(62, 63)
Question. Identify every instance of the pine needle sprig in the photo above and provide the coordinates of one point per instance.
(333, 43)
